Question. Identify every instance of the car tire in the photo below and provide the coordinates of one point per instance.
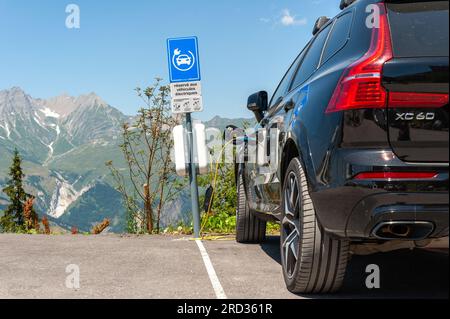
(312, 261)
(249, 228)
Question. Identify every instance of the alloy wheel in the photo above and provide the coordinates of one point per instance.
(290, 232)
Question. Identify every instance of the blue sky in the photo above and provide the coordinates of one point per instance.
(245, 46)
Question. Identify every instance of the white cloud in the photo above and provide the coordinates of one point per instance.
(287, 19)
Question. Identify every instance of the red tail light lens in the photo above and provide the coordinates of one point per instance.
(425, 100)
(360, 85)
(396, 175)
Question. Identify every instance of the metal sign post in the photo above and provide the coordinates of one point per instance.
(193, 177)
(184, 70)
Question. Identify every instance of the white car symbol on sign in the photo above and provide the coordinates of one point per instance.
(183, 62)
(184, 59)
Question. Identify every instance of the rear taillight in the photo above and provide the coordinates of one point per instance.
(360, 86)
(396, 175)
(421, 100)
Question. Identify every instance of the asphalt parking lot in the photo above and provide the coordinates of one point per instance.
(114, 266)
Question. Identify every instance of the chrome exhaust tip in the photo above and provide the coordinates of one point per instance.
(403, 230)
(399, 230)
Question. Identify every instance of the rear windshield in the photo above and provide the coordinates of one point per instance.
(419, 28)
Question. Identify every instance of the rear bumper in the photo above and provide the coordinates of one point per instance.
(353, 209)
(373, 211)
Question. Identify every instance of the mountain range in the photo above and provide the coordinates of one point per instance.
(64, 143)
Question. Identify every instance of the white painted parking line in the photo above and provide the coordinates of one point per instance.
(218, 289)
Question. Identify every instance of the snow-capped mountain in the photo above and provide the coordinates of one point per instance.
(64, 142)
(46, 129)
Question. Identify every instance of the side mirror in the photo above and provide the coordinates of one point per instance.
(258, 103)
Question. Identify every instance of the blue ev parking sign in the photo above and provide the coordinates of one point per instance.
(184, 64)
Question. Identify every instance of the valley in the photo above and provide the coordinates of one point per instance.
(64, 143)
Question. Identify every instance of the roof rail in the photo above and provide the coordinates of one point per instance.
(345, 3)
(319, 24)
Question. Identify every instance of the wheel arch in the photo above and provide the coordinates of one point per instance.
(297, 145)
(290, 151)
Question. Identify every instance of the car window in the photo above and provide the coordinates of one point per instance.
(284, 84)
(312, 58)
(420, 28)
(338, 36)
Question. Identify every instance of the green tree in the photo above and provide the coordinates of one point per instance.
(149, 180)
(13, 219)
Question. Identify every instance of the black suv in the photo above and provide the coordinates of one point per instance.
(352, 149)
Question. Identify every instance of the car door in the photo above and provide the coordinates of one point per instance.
(260, 170)
(276, 123)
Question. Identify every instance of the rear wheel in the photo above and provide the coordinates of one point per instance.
(312, 261)
(249, 228)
